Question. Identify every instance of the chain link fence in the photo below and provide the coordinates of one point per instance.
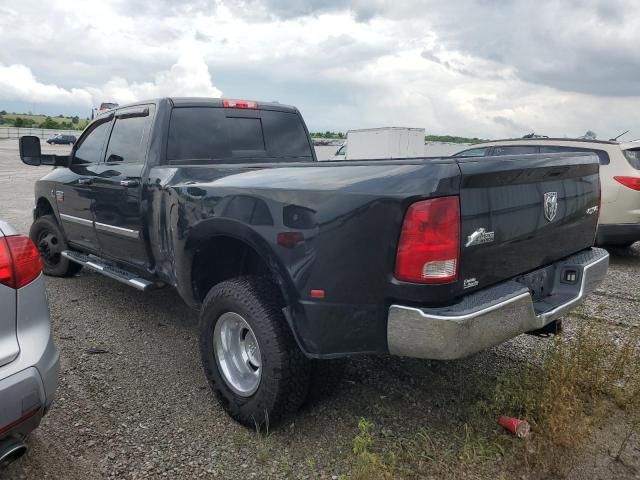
(42, 133)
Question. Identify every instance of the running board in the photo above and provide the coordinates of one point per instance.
(95, 264)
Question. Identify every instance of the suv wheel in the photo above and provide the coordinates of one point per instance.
(250, 357)
(48, 238)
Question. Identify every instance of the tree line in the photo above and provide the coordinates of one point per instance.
(427, 138)
(18, 121)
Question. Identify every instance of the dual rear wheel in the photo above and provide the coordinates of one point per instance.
(250, 358)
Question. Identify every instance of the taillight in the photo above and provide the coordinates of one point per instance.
(239, 104)
(19, 261)
(630, 182)
(429, 246)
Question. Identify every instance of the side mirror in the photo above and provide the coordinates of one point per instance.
(30, 152)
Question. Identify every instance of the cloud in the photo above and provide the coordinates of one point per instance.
(17, 82)
(486, 68)
(189, 76)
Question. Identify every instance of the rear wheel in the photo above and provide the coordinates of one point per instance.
(250, 357)
(48, 238)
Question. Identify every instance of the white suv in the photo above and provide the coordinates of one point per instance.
(619, 177)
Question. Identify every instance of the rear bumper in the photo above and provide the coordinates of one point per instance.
(618, 234)
(491, 316)
(23, 403)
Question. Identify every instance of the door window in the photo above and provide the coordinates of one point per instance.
(90, 147)
(127, 143)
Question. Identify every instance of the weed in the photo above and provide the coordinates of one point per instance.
(572, 392)
(368, 465)
(580, 380)
(263, 447)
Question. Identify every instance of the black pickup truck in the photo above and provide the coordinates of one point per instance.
(292, 262)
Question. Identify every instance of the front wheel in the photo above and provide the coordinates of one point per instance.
(249, 355)
(48, 238)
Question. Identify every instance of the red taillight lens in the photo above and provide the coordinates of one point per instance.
(429, 245)
(19, 261)
(630, 182)
(239, 104)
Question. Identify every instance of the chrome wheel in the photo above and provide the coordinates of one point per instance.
(237, 354)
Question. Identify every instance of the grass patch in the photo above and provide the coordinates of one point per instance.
(582, 380)
(369, 464)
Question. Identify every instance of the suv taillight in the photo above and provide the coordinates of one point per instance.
(630, 182)
(429, 247)
(19, 261)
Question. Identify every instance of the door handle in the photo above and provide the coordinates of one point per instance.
(129, 183)
(85, 181)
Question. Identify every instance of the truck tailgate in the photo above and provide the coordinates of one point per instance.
(522, 212)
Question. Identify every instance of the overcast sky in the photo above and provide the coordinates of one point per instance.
(486, 68)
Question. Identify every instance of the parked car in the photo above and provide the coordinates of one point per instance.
(62, 140)
(104, 106)
(28, 356)
(292, 262)
(619, 175)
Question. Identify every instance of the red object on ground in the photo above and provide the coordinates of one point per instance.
(520, 428)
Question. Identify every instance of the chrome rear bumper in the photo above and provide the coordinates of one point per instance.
(493, 315)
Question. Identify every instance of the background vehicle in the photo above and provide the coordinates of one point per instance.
(619, 176)
(28, 357)
(104, 106)
(292, 261)
(386, 142)
(62, 140)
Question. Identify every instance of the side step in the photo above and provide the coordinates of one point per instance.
(124, 276)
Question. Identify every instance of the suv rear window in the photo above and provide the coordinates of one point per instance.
(633, 157)
(603, 156)
(515, 150)
(212, 133)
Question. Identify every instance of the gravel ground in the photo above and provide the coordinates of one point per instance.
(143, 409)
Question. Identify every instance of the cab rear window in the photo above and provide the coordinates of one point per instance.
(207, 134)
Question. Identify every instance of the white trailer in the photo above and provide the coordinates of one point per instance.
(386, 142)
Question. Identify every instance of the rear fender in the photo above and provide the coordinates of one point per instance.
(215, 227)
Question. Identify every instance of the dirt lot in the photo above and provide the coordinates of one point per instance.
(143, 410)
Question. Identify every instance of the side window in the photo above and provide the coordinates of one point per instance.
(90, 148)
(516, 150)
(474, 152)
(127, 143)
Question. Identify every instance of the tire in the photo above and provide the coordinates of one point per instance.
(282, 369)
(49, 239)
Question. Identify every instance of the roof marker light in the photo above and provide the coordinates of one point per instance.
(239, 104)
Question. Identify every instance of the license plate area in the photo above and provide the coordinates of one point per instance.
(539, 282)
